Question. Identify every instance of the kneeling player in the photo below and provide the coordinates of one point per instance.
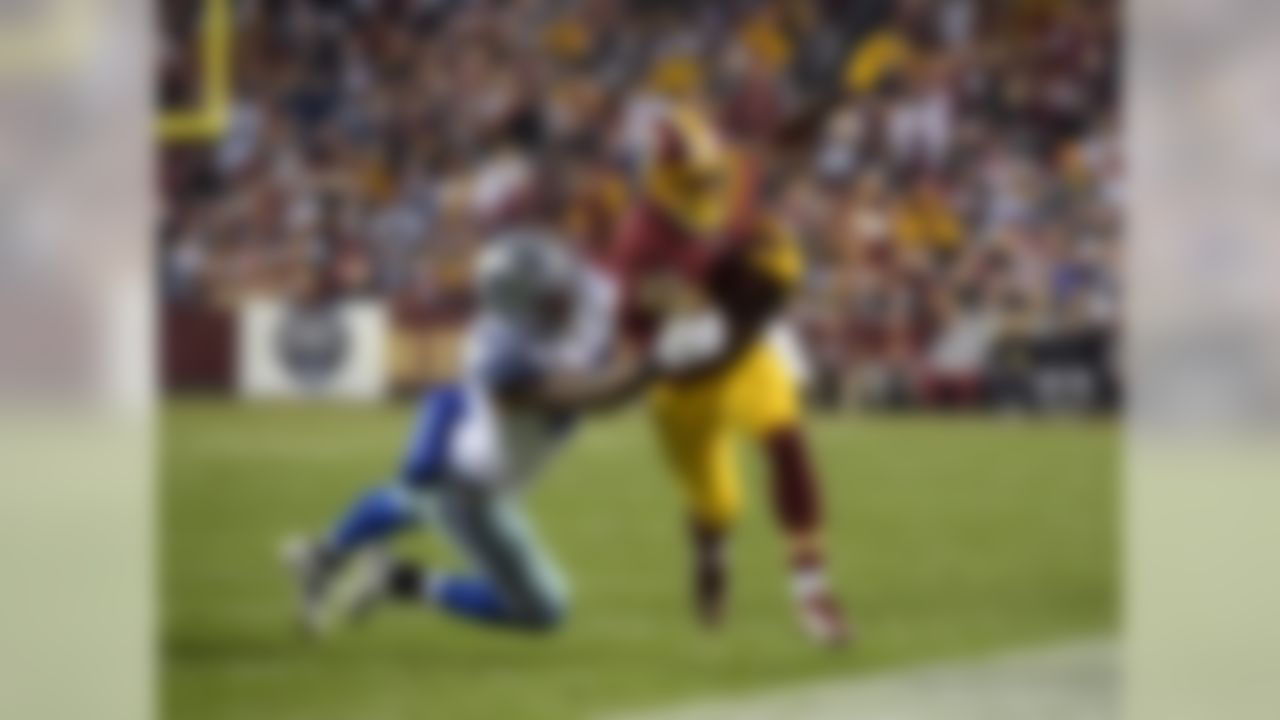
(528, 368)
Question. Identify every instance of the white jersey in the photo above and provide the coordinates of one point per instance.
(495, 445)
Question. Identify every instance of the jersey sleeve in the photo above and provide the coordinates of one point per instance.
(626, 265)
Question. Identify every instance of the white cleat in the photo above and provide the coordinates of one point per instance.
(312, 572)
(823, 620)
(371, 585)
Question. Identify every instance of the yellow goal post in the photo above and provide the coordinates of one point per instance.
(208, 119)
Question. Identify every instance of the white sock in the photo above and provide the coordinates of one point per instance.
(808, 581)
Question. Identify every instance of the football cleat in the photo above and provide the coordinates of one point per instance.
(372, 585)
(822, 618)
(313, 570)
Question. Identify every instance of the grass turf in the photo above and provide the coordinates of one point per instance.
(950, 537)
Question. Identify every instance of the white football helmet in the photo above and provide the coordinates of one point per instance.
(528, 276)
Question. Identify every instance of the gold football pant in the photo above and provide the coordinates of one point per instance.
(697, 422)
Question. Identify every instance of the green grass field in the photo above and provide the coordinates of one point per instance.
(951, 537)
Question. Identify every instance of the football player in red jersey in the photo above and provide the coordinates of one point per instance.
(696, 247)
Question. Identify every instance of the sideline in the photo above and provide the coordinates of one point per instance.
(1077, 681)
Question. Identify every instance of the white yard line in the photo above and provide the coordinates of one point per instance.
(1079, 681)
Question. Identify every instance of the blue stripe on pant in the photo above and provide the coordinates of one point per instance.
(518, 582)
(441, 412)
(378, 514)
(385, 510)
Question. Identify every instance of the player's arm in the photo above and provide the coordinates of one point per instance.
(631, 244)
(607, 387)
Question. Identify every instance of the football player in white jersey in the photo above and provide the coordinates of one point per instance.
(536, 355)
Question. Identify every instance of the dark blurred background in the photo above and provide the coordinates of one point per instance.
(953, 169)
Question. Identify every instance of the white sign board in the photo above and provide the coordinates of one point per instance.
(327, 351)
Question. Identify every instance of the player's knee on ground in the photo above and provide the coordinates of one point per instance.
(543, 611)
(537, 595)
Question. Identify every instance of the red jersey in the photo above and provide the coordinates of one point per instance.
(746, 271)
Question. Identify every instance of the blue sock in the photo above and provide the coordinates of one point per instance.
(376, 515)
(470, 597)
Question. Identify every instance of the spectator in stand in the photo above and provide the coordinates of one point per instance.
(952, 167)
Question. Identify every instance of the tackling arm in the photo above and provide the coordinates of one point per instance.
(603, 389)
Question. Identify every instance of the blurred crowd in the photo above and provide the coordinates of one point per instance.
(952, 167)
